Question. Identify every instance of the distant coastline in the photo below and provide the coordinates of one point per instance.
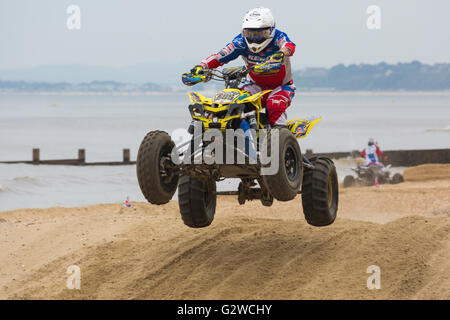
(382, 77)
(413, 76)
(90, 93)
(211, 92)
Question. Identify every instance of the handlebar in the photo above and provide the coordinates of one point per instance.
(232, 76)
(227, 73)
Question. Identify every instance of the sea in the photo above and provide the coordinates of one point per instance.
(104, 124)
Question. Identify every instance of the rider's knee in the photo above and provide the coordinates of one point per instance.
(277, 111)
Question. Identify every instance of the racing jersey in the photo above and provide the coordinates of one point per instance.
(371, 153)
(238, 47)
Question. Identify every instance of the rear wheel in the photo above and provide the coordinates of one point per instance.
(241, 194)
(320, 193)
(349, 181)
(397, 178)
(197, 201)
(286, 182)
(267, 200)
(156, 173)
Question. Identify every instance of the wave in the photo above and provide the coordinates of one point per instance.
(349, 161)
(446, 129)
(26, 179)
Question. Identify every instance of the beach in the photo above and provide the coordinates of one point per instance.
(249, 252)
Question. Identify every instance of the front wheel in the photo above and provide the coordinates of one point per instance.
(320, 193)
(349, 181)
(155, 170)
(197, 201)
(382, 179)
(286, 159)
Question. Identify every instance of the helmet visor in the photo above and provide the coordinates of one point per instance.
(257, 35)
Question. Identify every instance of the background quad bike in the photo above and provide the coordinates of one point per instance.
(367, 176)
(159, 178)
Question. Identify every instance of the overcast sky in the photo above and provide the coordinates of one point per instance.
(126, 32)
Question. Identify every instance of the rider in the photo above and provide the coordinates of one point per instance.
(371, 153)
(258, 42)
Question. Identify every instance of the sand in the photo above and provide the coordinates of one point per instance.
(428, 172)
(249, 252)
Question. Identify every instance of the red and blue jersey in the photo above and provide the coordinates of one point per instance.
(371, 153)
(238, 47)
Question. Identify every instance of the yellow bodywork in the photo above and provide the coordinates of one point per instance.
(255, 99)
(299, 127)
(198, 98)
(242, 96)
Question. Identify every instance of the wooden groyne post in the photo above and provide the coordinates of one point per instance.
(80, 161)
(36, 155)
(126, 155)
(81, 156)
(405, 158)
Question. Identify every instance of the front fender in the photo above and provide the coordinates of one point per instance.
(196, 97)
(255, 99)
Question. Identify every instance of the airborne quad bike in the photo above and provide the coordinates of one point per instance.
(159, 175)
(366, 176)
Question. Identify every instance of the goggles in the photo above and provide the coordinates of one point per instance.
(257, 35)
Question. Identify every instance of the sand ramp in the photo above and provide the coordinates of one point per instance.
(249, 252)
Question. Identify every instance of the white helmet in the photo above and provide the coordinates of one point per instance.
(258, 28)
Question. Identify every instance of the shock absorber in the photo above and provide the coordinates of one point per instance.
(249, 142)
(252, 122)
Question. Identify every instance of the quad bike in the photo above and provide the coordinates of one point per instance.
(159, 175)
(366, 176)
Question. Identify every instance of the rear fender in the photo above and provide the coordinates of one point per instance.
(300, 127)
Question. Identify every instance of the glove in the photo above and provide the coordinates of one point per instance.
(198, 69)
(196, 75)
(279, 55)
